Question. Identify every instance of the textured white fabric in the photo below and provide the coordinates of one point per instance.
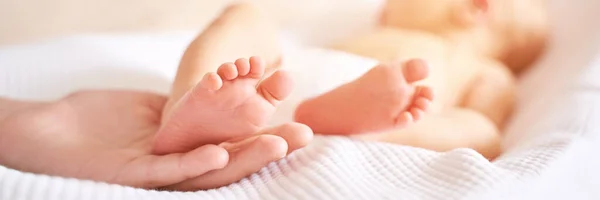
(551, 144)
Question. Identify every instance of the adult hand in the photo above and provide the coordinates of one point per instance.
(107, 136)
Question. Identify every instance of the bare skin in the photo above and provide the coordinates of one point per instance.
(109, 135)
(231, 101)
(224, 105)
(464, 46)
(452, 80)
(463, 67)
(83, 136)
(383, 98)
(226, 40)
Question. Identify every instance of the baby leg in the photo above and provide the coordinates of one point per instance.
(450, 129)
(210, 104)
(241, 31)
(383, 98)
(493, 93)
(227, 104)
(486, 108)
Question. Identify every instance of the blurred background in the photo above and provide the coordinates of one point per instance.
(22, 20)
(26, 20)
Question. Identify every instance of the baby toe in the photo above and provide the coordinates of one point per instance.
(243, 66)
(228, 71)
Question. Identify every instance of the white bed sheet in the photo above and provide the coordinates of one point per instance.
(550, 144)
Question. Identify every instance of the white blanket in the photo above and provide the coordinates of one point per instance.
(550, 144)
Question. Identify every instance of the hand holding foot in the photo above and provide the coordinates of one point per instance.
(207, 107)
(108, 135)
(98, 135)
(227, 104)
(251, 154)
(383, 98)
(231, 108)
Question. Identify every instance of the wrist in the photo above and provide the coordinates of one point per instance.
(9, 106)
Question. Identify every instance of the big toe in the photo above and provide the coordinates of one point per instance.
(415, 70)
(276, 87)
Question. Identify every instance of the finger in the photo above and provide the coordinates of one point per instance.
(244, 161)
(234, 145)
(295, 134)
(153, 171)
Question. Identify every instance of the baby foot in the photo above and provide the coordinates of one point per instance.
(385, 97)
(224, 105)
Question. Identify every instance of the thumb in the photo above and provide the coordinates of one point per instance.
(152, 171)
